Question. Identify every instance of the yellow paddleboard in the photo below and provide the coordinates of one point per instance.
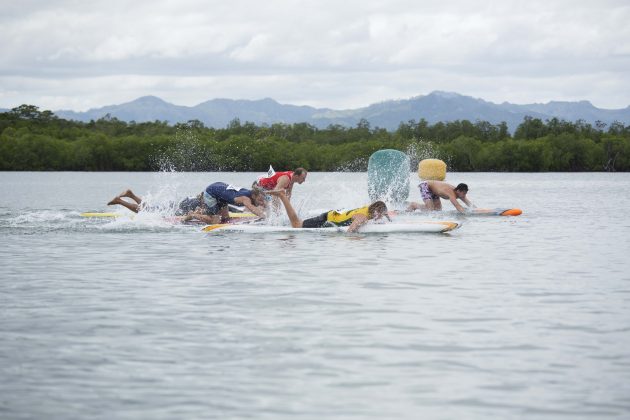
(233, 215)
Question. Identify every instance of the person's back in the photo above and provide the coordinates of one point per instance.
(225, 193)
(218, 195)
(344, 218)
(271, 182)
(441, 188)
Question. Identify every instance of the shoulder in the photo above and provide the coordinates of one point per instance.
(361, 212)
(359, 218)
(284, 178)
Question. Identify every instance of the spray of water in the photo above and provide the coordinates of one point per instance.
(188, 153)
(356, 165)
(420, 149)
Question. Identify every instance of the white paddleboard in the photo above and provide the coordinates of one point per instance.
(131, 215)
(496, 212)
(469, 212)
(489, 212)
(418, 227)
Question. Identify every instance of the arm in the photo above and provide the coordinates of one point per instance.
(209, 219)
(358, 220)
(468, 202)
(245, 201)
(455, 203)
(284, 184)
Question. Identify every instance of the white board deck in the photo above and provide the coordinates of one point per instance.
(419, 227)
(469, 212)
(131, 215)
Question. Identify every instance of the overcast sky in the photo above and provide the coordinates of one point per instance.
(339, 54)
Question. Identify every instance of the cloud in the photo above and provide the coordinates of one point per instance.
(81, 54)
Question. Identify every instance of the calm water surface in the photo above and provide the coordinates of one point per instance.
(522, 317)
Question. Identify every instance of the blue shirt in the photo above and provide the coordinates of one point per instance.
(225, 194)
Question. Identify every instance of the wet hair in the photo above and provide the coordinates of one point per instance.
(257, 191)
(462, 187)
(299, 171)
(376, 207)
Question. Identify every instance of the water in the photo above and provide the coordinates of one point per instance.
(522, 317)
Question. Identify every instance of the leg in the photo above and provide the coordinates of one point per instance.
(416, 206)
(131, 206)
(428, 204)
(131, 195)
(224, 214)
(428, 197)
(293, 217)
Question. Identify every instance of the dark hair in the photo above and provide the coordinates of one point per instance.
(376, 207)
(299, 171)
(462, 187)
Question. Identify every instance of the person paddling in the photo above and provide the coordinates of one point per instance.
(354, 218)
(282, 181)
(219, 195)
(432, 191)
(210, 206)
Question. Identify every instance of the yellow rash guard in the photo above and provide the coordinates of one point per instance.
(345, 218)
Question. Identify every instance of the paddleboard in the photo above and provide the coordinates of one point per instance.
(102, 215)
(494, 212)
(409, 227)
(469, 212)
(232, 215)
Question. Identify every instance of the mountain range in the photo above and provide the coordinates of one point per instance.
(434, 107)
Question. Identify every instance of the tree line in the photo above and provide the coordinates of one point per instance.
(34, 140)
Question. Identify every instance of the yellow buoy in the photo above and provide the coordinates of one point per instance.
(432, 169)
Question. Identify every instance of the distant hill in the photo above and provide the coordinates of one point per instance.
(435, 107)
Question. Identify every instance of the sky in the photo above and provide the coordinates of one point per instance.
(74, 54)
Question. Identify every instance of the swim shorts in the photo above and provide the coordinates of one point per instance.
(426, 193)
(211, 203)
(316, 222)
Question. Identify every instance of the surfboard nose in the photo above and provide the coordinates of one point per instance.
(512, 212)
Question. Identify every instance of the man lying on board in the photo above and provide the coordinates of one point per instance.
(352, 218)
(210, 206)
(431, 191)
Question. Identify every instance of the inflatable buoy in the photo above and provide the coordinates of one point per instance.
(432, 169)
(388, 176)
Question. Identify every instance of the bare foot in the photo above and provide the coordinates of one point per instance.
(115, 200)
(127, 193)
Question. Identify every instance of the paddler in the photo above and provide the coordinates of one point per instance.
(210, 206)
(282, 181)
(354, 218)
(432, 191)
